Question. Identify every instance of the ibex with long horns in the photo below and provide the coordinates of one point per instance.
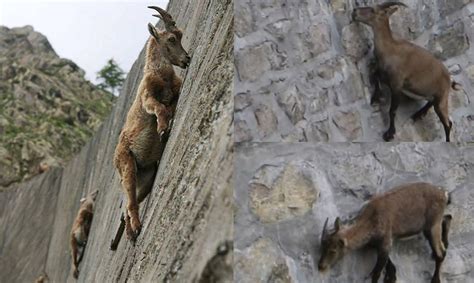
(143, 136)
(402, 212)
(406, 68)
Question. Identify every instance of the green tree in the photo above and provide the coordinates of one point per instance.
(112, 76)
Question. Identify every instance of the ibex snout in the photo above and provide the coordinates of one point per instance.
(322, 267)
(186, 61)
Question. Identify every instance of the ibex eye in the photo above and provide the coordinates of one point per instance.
(172, 39)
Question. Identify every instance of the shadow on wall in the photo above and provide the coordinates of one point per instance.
(308, 79)
(284, 194)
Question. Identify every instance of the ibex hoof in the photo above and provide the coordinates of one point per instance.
(374, 100)
(113, 245)
(133, 235)
(76, 273)
(416, 117)
(388, 136)
(164, 135)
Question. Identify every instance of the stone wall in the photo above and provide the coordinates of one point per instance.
(302, 70)
(284, 192)
(187, 219)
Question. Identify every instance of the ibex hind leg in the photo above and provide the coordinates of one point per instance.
(126, 165)
(441, 109)
(422, 112)
(145, 179)
(446, 225)
(434, 236)
(390, 272)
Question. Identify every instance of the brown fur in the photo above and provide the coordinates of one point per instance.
(406, 68)
(141, 141)
(402, 212)
(80, 229)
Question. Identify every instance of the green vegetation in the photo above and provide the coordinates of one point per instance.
(112, 77)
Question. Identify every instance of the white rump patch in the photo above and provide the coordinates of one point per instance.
(416, 96)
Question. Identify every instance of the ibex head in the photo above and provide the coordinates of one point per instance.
(333, 246)
(91, 197)
(376, 15)
(169, 40)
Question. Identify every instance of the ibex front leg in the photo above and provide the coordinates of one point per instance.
(162, 113)
(125, 163)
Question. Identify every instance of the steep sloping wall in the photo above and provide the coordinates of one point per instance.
(285, 192)
(302, 70)
(187, 217)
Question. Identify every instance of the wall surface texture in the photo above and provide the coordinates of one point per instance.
(284, 193)
(187, 219)
(302, 70)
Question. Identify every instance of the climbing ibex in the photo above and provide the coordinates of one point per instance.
(143, 136)
(80, 229)
(402, 212)
(406, 68)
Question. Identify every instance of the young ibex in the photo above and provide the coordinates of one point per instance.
(402, 212)
(406, 68)
(142, 139)
(80, 229)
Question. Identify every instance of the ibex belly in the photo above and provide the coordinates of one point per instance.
(147, 147)
(80, 237)
(416, 96)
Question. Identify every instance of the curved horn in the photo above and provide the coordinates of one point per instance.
(392, 3)
(323, 235)
(170, 24)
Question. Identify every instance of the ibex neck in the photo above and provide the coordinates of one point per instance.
(155, 60)
(357, 235)
(383, 36)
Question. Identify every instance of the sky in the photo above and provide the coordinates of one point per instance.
(88, 32)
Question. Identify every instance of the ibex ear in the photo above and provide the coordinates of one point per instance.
(390, 10)
(337, 224)
(94, 194)
(153, 31)
(342, 242)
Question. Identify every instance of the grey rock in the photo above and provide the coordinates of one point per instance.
(451, 6)
(281, 193)
(291, 101)
(470, 73)
(452, 41)
(254, 61)
(348, 123)
(266, 120)
(263, 262)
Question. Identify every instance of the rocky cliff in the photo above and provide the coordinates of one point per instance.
(187, 219)
(48, 110)
(302, 70)
(285, 192)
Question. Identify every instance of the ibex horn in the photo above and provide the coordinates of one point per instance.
(170, 24)
(325, 229)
